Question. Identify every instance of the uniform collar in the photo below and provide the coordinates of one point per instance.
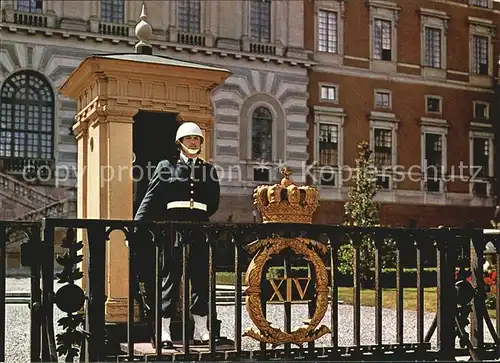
(184, 158)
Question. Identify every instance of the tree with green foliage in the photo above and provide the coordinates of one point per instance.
(362, 211)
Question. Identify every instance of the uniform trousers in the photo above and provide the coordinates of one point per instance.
(197, 274)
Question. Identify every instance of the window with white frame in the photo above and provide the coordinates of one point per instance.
(433, 104)
(382, 39)
(328, 93)
(189, 16)
(481, 147)
(481, 110)
(328, 150)
(384, 17)
(433, 160)
(383, 147)
(383, 155)
(480, 156)
(383, 131)
(433, 148)
(113, 11)
(433, 39)
(327, 31)
(480, 55)
(432, 46)
(260, 21)
(383, 99)
(30, 6)
(328, 144)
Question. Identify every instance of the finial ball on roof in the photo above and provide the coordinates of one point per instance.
(143, 29)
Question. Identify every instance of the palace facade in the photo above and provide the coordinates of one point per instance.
(260, 111)
(310, 80)
(418, 81)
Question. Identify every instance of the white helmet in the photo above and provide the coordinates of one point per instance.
(188, 129)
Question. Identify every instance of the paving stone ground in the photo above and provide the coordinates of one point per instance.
(18, 324)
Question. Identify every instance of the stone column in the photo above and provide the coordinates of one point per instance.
(110, 142)
(81, 134)
(105, 192)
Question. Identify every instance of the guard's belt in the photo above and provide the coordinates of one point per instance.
(187, 204)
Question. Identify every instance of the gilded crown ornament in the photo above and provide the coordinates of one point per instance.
(286, 202)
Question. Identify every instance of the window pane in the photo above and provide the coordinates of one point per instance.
(328, 93)
(433, 153)
(260, 21)
(328, 144)
(113, 11)
(327, 31)
(480, 153)
(433, 47)
(383, 99)
(480, 54)
(262, 137)
(30, 6)
(480, 111)
(481, 3)
(433, 104)
(382, 39)
(189, 16)
(383, 147)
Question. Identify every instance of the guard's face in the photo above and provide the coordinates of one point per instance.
(192, 142)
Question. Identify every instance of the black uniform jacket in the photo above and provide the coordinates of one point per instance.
(175, 193)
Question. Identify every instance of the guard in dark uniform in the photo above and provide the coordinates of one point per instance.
(186, 189)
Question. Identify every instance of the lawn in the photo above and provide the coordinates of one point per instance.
(368, 295)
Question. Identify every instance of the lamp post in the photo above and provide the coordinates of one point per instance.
(254, 213)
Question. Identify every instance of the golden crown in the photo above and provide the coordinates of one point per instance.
(286, 202)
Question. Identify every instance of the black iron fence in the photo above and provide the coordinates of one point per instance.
(268, 263)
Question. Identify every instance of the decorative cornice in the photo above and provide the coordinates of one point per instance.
(324, 110)
(434, 13)
(430, 121)
(80, 129)
(383, 116)
(158, 44)
(390, 5)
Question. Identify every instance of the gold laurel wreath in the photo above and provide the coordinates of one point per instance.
(268, 248)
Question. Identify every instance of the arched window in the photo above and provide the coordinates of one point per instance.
(26, 117)
(260, 21)
(113, 11)
(262, 134)
(189, 16)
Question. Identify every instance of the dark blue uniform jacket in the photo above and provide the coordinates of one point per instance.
(176, 193)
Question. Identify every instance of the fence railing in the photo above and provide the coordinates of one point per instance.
(459, 294)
